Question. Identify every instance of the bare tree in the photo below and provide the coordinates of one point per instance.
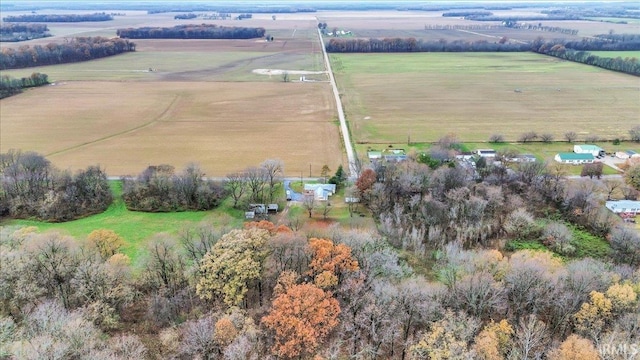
(496, 138)
(528, 137)
(353, 195)
(326, 209)
(165, 267)
(309, 203)
(570, 136)
(634, 133)
(273, 169)
(256, 181)
(625, 242)
(531, 338)
(546, 137)
(611, 185)
(199, 239)
(592, 138)
(237, 185)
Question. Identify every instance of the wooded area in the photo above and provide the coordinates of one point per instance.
(203, 31)
(77, 49)
(20, 32)
(33, 188)
(11, 86)
(160, 189)
(58, 17)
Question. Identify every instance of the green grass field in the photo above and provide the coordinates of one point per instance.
(615, 54)
(390, 97)
(136, 228)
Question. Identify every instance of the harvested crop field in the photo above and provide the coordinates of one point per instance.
(126, 126)
(390, 97)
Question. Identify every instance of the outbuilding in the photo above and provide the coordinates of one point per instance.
(588, 149)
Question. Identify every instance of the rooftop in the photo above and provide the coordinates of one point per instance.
(590, 147)
(574, 156)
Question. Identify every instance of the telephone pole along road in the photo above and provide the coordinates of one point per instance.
(351, 157)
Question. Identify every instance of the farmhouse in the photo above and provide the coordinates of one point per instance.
(574, 158)
(588, 149)
(394, 155)
(388, 155)
(486, 153)
(627, 209)
(320, 191)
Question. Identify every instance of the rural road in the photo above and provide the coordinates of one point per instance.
(351, 156)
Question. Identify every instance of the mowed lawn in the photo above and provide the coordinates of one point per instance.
(389, 97)
(136, 228)
(127, 126)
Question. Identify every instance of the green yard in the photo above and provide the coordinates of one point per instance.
(136, 228)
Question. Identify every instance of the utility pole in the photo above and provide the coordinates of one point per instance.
(309, 170)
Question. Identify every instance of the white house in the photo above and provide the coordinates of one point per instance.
(630, 207)
(486, 153)
(588, 149)
(320, 191)
(574, 158)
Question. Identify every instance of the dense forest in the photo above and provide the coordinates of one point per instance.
(58, 17)
(11, 86)
(203, 31)
(33, 188)
(76, 49)
(160, 189)
(20, 32)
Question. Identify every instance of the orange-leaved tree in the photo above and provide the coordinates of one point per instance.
(269, 226)
(301, 318)
(329, 262)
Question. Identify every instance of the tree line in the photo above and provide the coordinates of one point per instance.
(77, 49)
(58, 17)
(12, 32)
(33, 188)
(11, 86)
(203, 31)
(161, 189)
(574, 51)
(540, 27)
(418, 45)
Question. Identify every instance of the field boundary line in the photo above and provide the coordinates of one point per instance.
(124, 132)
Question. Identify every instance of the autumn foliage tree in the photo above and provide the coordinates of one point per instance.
(329, 262)
(575, 348)
(302, 318)
(232, 264)
(106, 242)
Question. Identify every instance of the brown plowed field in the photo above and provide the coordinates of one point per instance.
(126, 126)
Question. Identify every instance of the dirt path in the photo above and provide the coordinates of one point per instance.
(351, 156)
